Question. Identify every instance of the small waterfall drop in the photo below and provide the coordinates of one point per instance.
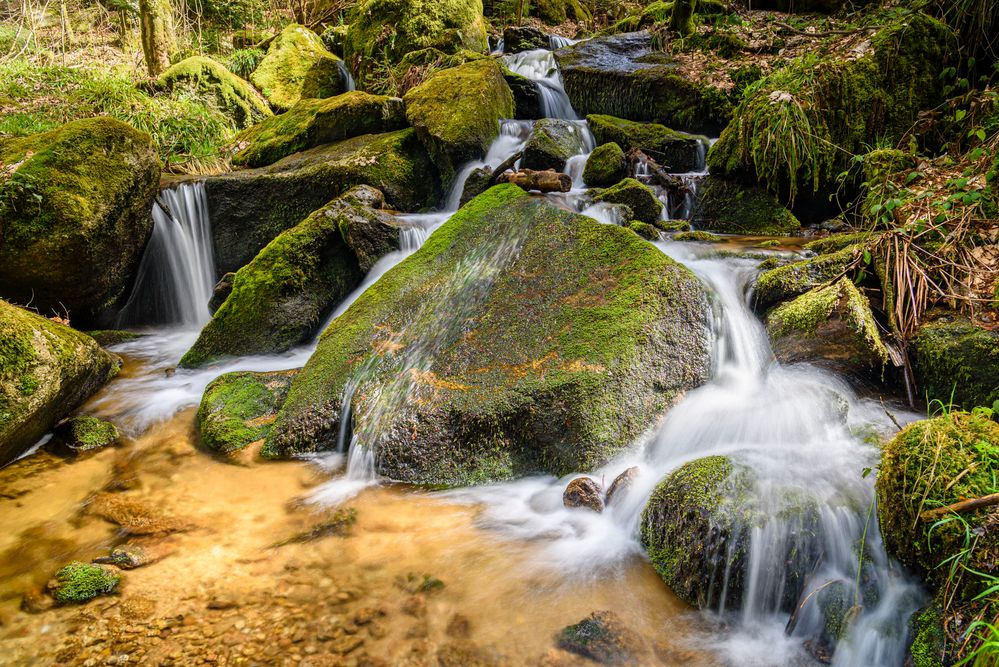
(511, 140)
(176, 276)
(349, 84)
(540, 67)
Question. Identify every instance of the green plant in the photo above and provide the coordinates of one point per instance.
(242, 62)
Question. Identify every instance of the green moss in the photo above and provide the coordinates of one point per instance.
(556, 12)
(298, 66)
(239, 408)
(674, 151)
(605, 167)
(74, 214)
(790, 280)
(935, 463)
(703, 237)
(203, 77)
(956, 361)
(835, 242)
(642, 201)
(112, 337)
(86, 433)
(734, 208)
(645, 230)
(457, 112)
(673, 225)
(552, 142)
(928, 637)
(492, 398)
(81, 582)
(311, 123)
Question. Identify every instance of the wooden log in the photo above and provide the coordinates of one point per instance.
(542, 181)
(506, 166)
(960, 507)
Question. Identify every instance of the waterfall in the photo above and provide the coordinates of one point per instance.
(511, 140)
(559, 42)
(348, 79)
(540, 67)
(176, 276)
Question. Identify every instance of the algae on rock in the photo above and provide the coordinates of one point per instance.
(297, 66)
(239, 408)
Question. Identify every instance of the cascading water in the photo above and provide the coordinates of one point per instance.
(177, 272)
(348, 79)
(511, 140)
(540, 67)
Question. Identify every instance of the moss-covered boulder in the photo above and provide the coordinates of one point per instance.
(382, 32)
(297, 66)
(280, 298)
(642, 201)
(735, 208)
(369, 233)
(796, 130)
(675, 152)
(796, 278)
(517, 38)
(78, 582)
(696, 529)
(239, 408)
(956, 361)
(932, 464)
(452, 384)
(249, 208)
(75, 216)
(605, 167)
(644, 229)
(832, 326)
(527, 101)
(203, 78)
(46, 371)
(457, 112)
(624, 76)
(556, 12)
(311, 123)
(83, 434)
(929, 638)
(551, 144)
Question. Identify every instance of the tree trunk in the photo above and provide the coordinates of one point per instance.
(159, 37)
(543, 181)
(682, 19)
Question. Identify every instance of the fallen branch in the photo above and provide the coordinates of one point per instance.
(542, 181)
(827, 33)
(960, 507)
(505, 166)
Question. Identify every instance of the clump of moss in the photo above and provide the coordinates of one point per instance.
(605, 167)
(79, 582)
(929, 641)
(735, 208)
(297, 65)
(642, 201)
(698, 236)
(674, 151)
(644, 229)
(239, 408)
(790, 280)
(835, 242)
(85, 434)
(552, 142)
(203, 77)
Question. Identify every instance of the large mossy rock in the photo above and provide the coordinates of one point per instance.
(46, 371)
(517, 38)
(934, 463)
(796, 278)
(280, 298)
(956, 361)
(206, 79)
(551, 144)
(832, 326)
(249, 208)
(624, 76)
(451, 381)
(457, 112)
(640, 198)
(675, 152)
(75, 216)
(605, 167)
(297, 66)
(697, 526)
(311, 123)
(382, 32)
(239, 408)
(735, 208)
(796, 130)
(557, 12)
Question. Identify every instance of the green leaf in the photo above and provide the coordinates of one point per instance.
(867, 256)
(913, 175)
(960, 114)
(866, 473)
(980, 134)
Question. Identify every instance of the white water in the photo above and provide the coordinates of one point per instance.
(348, 79)
(177, 273)
(540, 66)
(512, 138)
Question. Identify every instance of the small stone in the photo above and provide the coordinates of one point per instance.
(459, 627)
(415, 605)
(584, 492)
(619, 487)
(603, 638)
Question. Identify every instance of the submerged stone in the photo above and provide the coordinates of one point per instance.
(734, 208)
(604, 638)
(78, 582)
(640, 198)
(675, 152)
(451, 379)
(46, 371)
(239, 408)
(206, 79)
(83, 434)
(297, 66)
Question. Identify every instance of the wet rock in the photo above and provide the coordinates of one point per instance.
(324, 524)
(645, 230)
(297, 66)
(731, 208)
(642, 201)
(791, 280)
(459, 627)
(603, 638)
(557, 12)
(480, 180)
(464, 653)
(239, 408)
(524, 38)
(46, 371)
(111, 337)
(223, 288)
(313, 122)
(526, 97)
(138, 553)
(621, 485)
(645, 317)
(206, 79)
(78, 582)
(134, 516)
(35, 601)
(80, 435)
(675, 152)
(956, 361)
(75, 228)
(584, 492)
(552, 142)
(415, 605)
(242, 204)
(606, 166)
(369, 233)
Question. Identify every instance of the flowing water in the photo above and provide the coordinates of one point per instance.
(540, 67)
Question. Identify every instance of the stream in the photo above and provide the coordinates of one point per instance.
(516, 565)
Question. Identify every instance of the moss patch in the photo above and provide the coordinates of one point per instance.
(203, 77)
(297, 65)
(551, 144)
(84, 434)
(734, 208)
(955, 360)
(78, 582)
(605, 167)
(674, 151)
(239, 408)
(642, 201)
(790, 280)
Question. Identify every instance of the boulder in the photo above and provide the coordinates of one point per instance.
(642, 201)
(605, 167)
(480, 180)
(75, 216)
(46, 371)
(369, 233)
(83, 434)
(249, 208)
(733, 208)
(644, 229)
(239, 408)
(223, 288)
(832, 326)
(310, 123)
(796, 278)
(526, 96)
(517, 38)
(557, 12)
(451, 379)
(584, 492)
(624, 76)
(203, 78)
(297, 66)
(456, 112)
(675, 152)
(603, 638)
(956, 361)
(78, 582)
(382, 32)
(280, 298)
(551, 144)
(621, 485)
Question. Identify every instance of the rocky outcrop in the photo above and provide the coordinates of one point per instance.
(675, 152)
(75, 216)
(551, 144)
(203, 78)
(956, 361)
(46, 371)
(239, 408)
(449, 377)
(644, 205)
(735, 208)
(297, 66)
